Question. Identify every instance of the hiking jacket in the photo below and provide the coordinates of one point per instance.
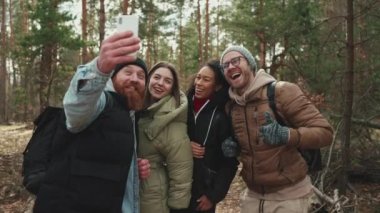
(269, 168)
(164, 142)
(212, 174)
(89, 169)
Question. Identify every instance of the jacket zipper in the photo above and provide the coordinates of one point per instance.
(209, 127)
(249, 139)
(257, 142)
(199, 111)
(196, 114)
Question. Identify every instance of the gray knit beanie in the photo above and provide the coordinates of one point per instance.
(244, 52)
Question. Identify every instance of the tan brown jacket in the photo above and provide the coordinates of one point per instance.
(268, 168)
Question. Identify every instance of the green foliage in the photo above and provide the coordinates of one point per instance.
(310, 34)
(165, 52)
(237, 20)
(154, 24)
(19, 97)
(367, 64)
(158, 15)
(190, 47)
(50, 26)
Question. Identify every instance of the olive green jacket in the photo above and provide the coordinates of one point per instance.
(163, 140)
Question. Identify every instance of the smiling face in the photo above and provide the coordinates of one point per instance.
(205, 83)
(160, 83)
(130, 83)
(239, 75)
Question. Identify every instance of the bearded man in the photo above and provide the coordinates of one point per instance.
(101, 171)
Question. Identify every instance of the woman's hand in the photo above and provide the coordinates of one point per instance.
(144, 168)
(198, 150)
(204, 203)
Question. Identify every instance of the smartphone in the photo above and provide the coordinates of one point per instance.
(128, 22)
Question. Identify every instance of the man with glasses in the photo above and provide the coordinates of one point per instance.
(273, 169)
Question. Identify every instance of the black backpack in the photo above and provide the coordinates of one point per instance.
(50, 140)
(312, 156)
(38, 152)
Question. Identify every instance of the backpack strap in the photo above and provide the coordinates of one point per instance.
(271, 93)
(312, 157)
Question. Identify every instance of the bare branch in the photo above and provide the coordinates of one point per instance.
(363, 122)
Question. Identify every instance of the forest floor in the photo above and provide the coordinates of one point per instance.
(15, 199)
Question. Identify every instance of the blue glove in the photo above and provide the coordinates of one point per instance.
(230, 148)
(272, 132)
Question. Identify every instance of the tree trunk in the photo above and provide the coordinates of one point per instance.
(102, 22)
(348, 98)
(207, 31)
(181, 55)
(262, 40)
(47, 68)
(155, 39)
(25, 16)
(45, 73)
(85, 57)
(24, 72)
(218, 30)
(3, 67)
(12, 43)
(125, 7)
(91, 27)
(133, 7)
(278, 59)
(10, 109)
(262, 49)
(149, 38)
(200, 55)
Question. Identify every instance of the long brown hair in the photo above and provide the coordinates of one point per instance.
(175, 89)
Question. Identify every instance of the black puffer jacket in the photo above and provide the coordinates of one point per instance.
(91, 175)
(212, 174)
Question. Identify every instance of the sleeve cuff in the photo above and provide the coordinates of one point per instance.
(294, 137)
(94, 66)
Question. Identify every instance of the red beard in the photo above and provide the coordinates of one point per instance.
(135, 99)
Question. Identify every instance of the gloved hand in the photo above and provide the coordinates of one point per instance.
(272, 132)
(230, 148)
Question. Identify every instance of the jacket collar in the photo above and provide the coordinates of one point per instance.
(251, 91)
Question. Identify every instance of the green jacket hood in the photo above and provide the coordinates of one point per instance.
(164, 112)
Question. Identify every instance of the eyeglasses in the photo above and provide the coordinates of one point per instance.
(234, 61)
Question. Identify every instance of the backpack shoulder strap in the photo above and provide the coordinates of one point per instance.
(312, 156)
(271, 93)
(228, 109)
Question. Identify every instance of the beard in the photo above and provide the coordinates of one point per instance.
(132, 91)
(135, 99)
